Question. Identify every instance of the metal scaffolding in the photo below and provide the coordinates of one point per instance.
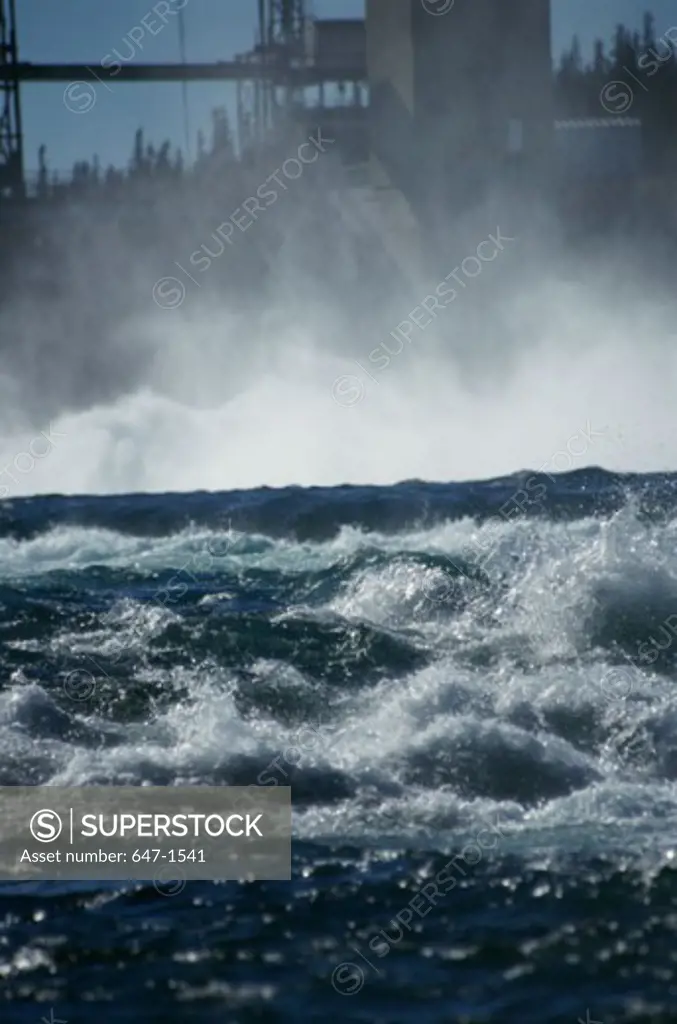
(11, 142)
(277, 72)
(272, 79)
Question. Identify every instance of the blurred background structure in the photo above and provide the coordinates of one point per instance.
(442, 106)
(433, 119)
(461, 105)
(284, 78)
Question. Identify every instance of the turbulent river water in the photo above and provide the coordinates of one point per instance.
(467, 686)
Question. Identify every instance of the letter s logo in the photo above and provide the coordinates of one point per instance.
(46, 826)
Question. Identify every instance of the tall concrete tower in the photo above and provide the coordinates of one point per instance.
(461, 104)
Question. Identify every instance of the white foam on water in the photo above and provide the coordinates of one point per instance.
(521, 681)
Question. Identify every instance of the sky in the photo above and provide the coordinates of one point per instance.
(86, 30)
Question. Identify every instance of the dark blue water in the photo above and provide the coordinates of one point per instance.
(471, 691)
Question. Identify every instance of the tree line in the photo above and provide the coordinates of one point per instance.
(635, 75)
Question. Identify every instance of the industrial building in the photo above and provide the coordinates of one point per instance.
(460, 103)
(283, 79)
(436, 112)
(474, 82)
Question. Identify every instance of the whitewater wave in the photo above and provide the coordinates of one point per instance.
(398, 693)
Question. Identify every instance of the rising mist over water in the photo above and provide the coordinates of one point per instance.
(213, 396)
(255, 365)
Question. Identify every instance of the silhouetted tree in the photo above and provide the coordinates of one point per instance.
(222, 138)
(43, 173)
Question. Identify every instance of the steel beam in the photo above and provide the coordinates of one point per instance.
(220, 71)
